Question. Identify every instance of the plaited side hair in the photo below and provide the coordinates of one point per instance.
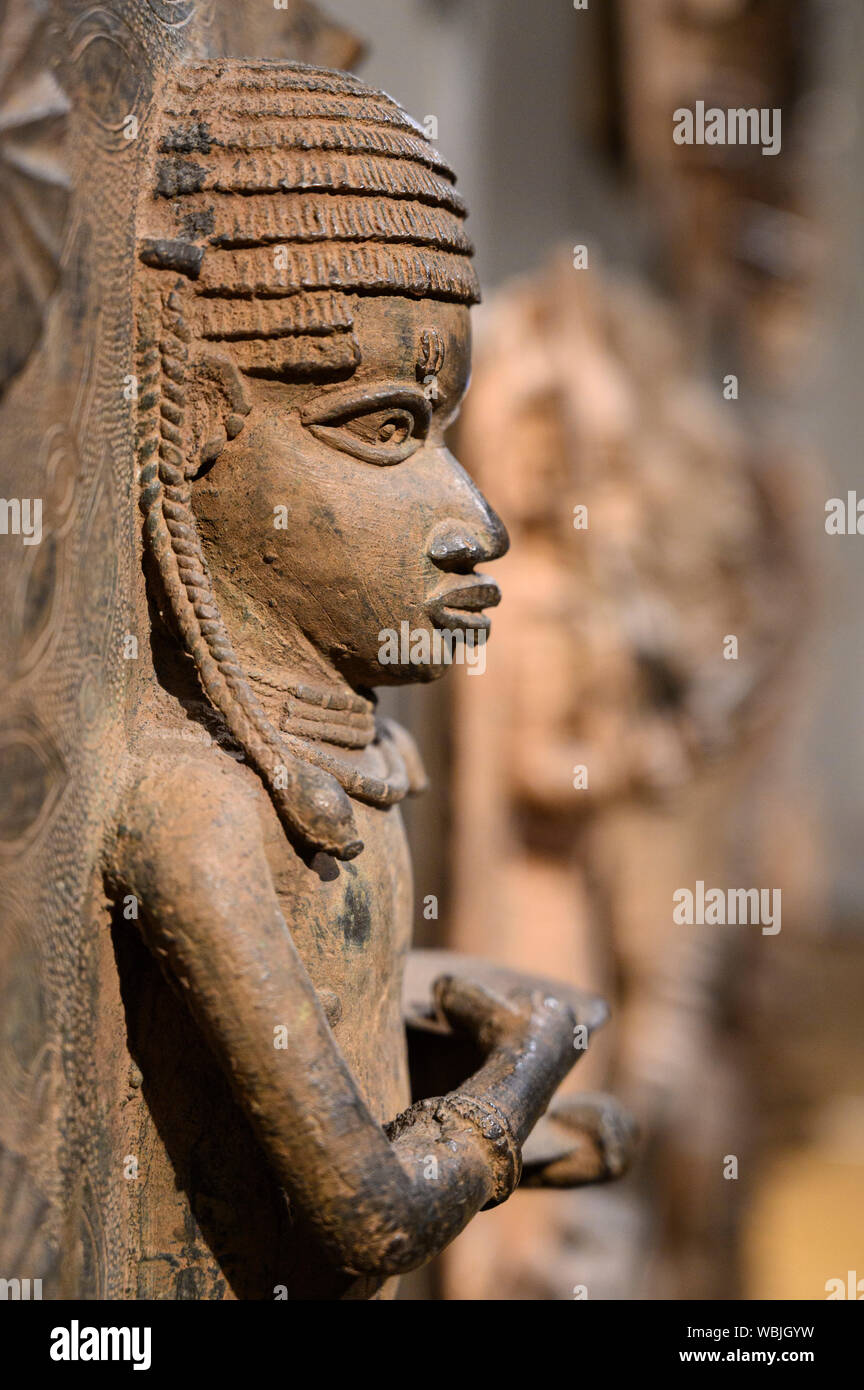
(264, 223)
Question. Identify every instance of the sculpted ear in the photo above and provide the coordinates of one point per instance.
(218, 405)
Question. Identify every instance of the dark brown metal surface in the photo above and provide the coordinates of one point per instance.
(235, 416)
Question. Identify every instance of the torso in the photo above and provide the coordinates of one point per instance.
(351, 923)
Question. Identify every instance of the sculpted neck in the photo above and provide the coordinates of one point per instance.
(299, 689)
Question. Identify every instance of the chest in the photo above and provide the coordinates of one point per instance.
(351, 923)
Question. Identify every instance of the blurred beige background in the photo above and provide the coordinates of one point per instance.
(554, 120)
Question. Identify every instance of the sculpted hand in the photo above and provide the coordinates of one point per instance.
(517, 1036)
(526, 1039)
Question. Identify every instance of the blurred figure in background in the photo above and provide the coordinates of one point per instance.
(605, 758)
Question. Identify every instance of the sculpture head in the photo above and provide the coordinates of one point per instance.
(304, 344)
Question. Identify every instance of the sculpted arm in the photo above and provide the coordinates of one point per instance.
(189, 846)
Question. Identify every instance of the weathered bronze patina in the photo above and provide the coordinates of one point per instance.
(222, 1098)
(303, 344)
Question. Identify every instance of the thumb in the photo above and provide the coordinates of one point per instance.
(473, 1008)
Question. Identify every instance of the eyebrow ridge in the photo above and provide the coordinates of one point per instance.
(334, 403)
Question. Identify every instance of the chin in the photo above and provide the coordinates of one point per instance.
(414, 674)
(428, 642)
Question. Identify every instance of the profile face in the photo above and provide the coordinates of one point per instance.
(339, 511)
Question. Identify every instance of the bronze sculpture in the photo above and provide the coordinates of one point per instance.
(302, 343)
(230, 398)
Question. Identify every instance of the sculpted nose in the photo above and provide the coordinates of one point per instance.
(458, 545)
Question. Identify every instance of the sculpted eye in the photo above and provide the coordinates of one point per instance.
(376, 430)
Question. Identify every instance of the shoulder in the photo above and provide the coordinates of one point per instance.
(186, 805)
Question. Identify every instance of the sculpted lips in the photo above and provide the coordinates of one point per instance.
(460, 603)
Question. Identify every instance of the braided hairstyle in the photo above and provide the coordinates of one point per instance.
(281, 193)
